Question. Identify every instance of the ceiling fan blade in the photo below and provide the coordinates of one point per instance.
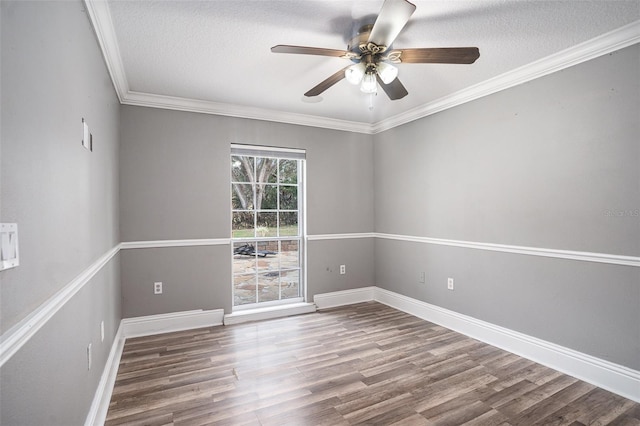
(394, 90)
(391, 20)
(324, 85)
(441, 55)
(302, 50)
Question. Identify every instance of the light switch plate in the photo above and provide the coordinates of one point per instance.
(9, 254)
(87, 137)
(89, 356)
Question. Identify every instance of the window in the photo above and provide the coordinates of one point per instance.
(266, 225)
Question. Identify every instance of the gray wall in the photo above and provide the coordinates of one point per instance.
(175, 184)
(65, 201)
(554, 164)
(538, 165)
(546, 164)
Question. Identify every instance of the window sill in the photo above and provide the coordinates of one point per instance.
(269, 313)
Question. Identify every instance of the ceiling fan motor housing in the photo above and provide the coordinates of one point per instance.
(370, 54)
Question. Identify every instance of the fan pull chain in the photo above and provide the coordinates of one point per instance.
(371, 101)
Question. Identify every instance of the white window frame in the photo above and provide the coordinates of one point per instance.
(287, 154)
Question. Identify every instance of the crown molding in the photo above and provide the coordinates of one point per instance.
(609, 42)
(240, 111)
(100, 17)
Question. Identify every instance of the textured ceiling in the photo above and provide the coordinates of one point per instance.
(218, 51)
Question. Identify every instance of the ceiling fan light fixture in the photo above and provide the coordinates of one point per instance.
(369, 84)
(355, 73)
(371, 54)
(387, 72)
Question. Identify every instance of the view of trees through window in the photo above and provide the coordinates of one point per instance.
(265, 229)
(264, 196)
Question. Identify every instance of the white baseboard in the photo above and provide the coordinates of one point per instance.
(167, 323)
(344, 297)
(604, 374)
(137, 327)
(607, 375)
(269, 313)
(100, 405)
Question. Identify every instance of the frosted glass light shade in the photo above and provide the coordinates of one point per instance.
(354, 73)
(369, 84)
(387, 72)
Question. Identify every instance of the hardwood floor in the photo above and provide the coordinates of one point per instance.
(360, 364)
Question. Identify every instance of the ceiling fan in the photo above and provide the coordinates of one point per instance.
(372, 56)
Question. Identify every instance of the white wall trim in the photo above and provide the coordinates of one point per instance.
(14, 338)
(607, 375)
(100, 405)
(231, 110)
(344, 297)
(175, 243)
(613, 377)
(319, 237)
(270, 312)
(614, 259)
(531, 251)
(18, 335)
(167, 323)
(138, 327)
(100, 17)
(609, 42)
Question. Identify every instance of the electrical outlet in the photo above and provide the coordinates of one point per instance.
(450, 283)
(343, 269)
(422, 278)
(102, 331)
(89, 357)
(157, 288)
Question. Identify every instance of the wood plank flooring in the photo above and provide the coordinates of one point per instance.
(360, 364)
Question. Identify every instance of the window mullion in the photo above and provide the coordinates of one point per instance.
(278, 198)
